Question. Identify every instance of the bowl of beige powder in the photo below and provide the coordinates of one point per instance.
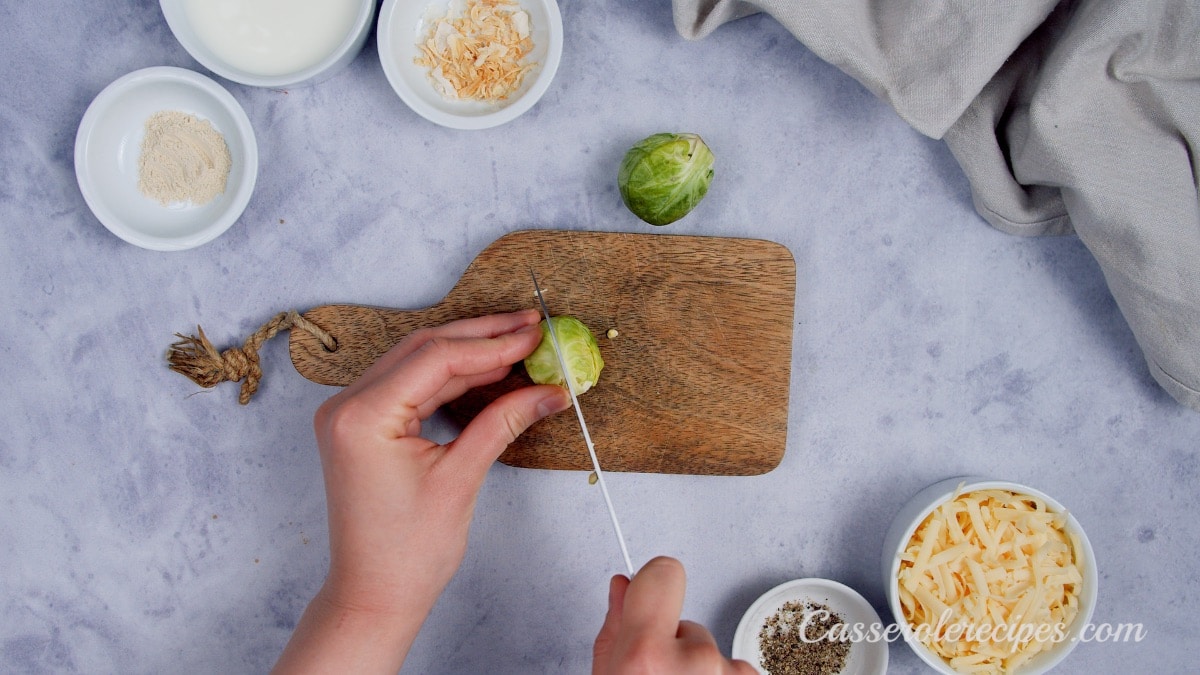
(166, 158)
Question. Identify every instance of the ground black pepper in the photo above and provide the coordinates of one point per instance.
(784, 651)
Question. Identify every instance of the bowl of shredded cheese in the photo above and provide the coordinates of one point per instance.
(470, 64)
(987, 576)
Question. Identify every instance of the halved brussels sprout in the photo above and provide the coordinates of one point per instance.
(664, 176)
(579, 350)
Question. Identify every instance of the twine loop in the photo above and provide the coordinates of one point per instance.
(194, 356)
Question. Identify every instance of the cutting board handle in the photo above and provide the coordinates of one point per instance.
(362, 335)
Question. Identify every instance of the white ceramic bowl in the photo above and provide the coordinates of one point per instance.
(107, 150)
(921, 505)
(402, 27)
(347, 49)
(866, 657)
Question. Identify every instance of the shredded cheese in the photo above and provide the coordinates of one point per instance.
(478, 53)
(990, 579)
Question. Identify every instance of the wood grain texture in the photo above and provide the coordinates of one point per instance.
(696, 381)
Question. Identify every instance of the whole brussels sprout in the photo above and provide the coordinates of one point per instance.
(579, 350)
(664, 176)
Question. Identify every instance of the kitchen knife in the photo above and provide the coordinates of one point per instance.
(587, 437)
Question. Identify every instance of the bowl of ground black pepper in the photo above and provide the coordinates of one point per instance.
(812, 627)
(166, 158)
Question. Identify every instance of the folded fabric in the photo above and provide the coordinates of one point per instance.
(1066, 116)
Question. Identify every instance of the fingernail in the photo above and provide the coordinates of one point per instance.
(554, 402)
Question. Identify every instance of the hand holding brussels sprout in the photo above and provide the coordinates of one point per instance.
(579, 350)
(664, 176)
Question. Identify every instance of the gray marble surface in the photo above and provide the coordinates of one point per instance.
(148, 528)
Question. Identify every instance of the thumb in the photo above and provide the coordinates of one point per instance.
(655, 598)
(502, 421)
(606, 640)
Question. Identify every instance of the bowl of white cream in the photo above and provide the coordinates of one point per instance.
(271, 43)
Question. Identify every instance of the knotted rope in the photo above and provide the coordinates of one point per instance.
(194, 356)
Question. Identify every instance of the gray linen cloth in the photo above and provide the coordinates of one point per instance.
(1066, 116)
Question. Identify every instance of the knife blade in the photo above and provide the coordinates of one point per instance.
(587, 437)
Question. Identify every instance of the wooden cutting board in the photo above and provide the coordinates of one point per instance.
(695, 382)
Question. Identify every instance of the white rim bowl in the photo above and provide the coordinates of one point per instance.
(913, 513)
(402, 26)
(107, 148)
(866, 657)
(350, 46)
